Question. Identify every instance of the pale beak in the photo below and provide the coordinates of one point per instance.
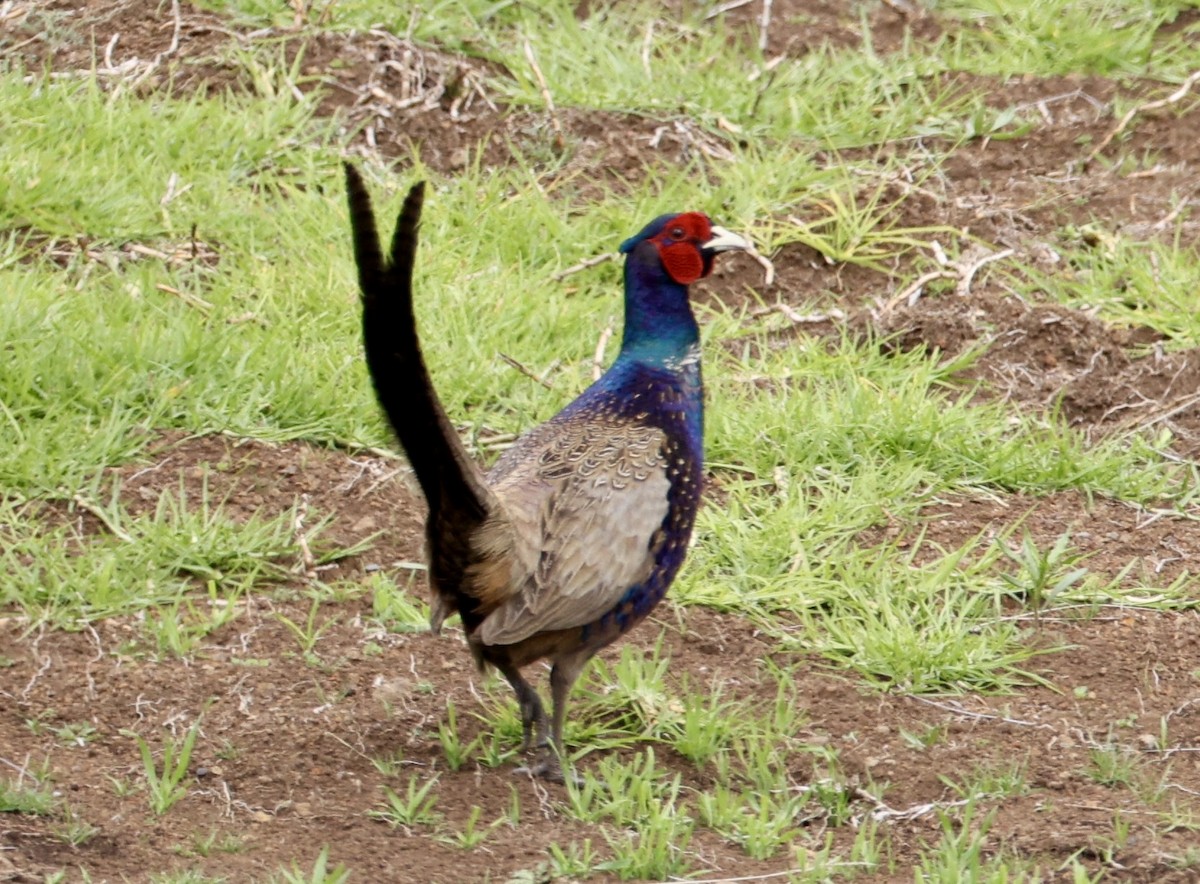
(724, 241)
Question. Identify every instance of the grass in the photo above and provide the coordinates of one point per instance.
(1130, 281)
(414, 808)
(158, 278)
(320, 873)
(18, 798)
(1096, 36)
(149, 563)
(165, 786)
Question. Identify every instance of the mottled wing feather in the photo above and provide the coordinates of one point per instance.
(594, 494)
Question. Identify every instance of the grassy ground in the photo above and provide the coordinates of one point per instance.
(174, 259)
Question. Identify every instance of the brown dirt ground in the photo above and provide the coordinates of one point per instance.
(283, 761)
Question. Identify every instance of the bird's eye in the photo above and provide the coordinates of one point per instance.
(676, 233)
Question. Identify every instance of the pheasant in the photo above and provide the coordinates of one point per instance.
(577, 531)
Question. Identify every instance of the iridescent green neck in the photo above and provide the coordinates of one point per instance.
(659, 326)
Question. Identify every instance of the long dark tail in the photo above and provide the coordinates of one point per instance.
(453, 484)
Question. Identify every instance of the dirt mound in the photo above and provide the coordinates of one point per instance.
(1099, 378)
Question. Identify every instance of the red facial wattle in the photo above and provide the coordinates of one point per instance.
(683, 262)
(679, 247)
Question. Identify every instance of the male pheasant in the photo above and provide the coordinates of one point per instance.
(577, 531)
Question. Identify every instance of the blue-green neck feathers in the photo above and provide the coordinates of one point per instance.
(659, 326)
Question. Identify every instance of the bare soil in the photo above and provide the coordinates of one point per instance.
(284, 757)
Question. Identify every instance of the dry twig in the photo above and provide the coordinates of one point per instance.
(525, 371)
(1162, 413)
(601, 346)
(884, 812)
(798, 318)
(963, 272)
(902, 8)
(764, 262)
(583, 265)
(191, 300)
(911, 293)
(726, 7)
(117, 531)
(647, 44)
(1168, 219)
(764, 25)
(983, 716)
(764, 876)
(1174, 98)
(307, 564)
(688, 136)
(560, 140)
(967, 272)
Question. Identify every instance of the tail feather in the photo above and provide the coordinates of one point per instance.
(452, 483)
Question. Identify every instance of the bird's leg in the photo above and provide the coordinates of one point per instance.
(549, 764)
(562, 679)
(532, 715)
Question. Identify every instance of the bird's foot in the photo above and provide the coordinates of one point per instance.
(547, 767)
(551, 771)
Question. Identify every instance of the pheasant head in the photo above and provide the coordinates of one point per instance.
(668, 255)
